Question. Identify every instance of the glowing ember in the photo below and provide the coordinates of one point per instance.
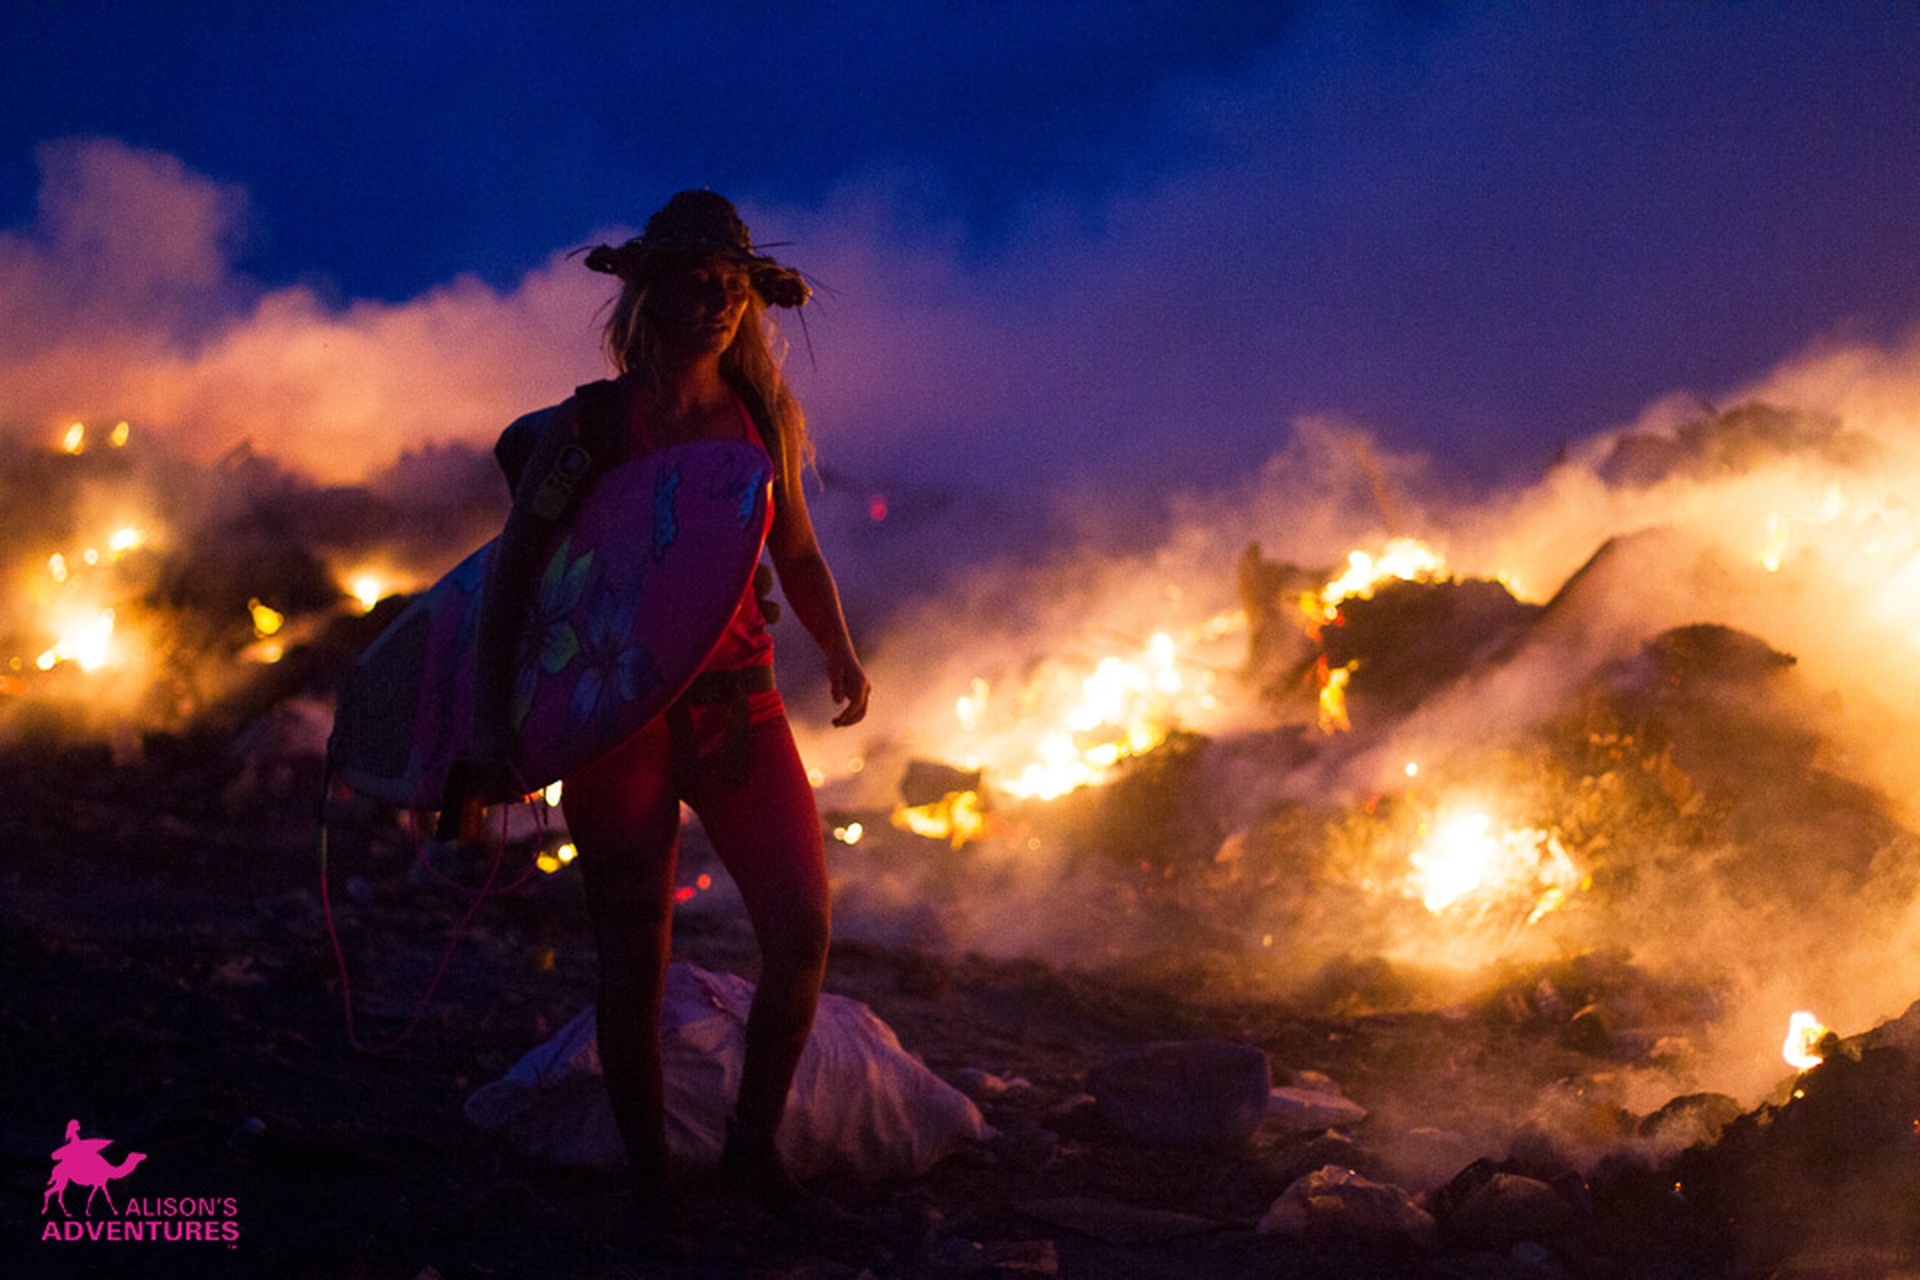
(687, 892)
(1465, 858)
(267, 620)
(849, 834)
(1779, 539)
(75, 441)
(956, 818)
(967, 710)
(1804, 1034)
(121, 432)
(367, 590)
(1403, 560)
(1333, 696)
(560, 857)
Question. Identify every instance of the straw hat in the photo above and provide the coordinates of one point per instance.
(701, 224)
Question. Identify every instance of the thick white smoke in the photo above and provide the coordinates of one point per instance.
(982, 410)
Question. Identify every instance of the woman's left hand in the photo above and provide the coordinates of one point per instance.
(849, 684)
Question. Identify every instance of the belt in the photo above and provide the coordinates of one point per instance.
(730, 689)
(726, 686)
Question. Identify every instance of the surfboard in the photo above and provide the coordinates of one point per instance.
(634, 591)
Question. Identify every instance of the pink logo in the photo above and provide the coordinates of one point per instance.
(176, 1219)
(78, 1160)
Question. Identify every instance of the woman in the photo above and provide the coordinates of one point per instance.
(687, 336)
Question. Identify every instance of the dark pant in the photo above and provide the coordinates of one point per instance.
(753, 799)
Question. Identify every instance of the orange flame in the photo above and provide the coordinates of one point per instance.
(956, 817)
(1402, 560)
(1333, 695)
(1068, 728)
(1804, 1034)
(1464, 857)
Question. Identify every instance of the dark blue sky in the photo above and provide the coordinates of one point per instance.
(1138, 238)
(389, 146)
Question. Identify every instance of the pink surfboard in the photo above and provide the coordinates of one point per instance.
(634, 592)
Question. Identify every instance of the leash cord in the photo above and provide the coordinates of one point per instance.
(446, 957)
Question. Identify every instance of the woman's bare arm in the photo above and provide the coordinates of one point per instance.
(809, 587)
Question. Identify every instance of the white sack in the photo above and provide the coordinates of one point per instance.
(861, 1105)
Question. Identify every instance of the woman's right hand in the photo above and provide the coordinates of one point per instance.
(848, 683)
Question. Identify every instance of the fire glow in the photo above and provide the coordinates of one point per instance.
(1804, 1034)
(74, 603)
(86, 641)
(74, 440)
(1402, 560)
(1074, 702)
(1063, 730)
(367, 591)
(366, 585)
(956, 818)
(1465, 858)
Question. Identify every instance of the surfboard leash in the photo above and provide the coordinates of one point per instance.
(446, 957)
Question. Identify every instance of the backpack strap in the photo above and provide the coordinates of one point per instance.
(571, 444)
(550, 456)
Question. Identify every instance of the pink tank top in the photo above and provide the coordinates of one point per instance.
(746, 641)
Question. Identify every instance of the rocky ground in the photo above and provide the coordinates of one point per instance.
(166, 977)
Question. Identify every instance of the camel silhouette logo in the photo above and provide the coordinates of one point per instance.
(78, 1160)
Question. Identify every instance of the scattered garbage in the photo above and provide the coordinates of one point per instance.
(1333, 1204)
(1305, 1110)
(1487, 1208)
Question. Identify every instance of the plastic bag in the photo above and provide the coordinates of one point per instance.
(861, 1106)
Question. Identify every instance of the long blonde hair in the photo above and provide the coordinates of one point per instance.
(752, 362)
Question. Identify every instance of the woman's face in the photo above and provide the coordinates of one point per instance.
(695, 306)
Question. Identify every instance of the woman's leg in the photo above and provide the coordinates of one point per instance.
(766, 831)
(624, 817)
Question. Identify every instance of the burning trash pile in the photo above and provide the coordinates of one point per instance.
(146, 594)
(1530, 854)
(1420, 761)
(1632, 823)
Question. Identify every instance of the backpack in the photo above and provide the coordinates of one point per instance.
(590, 438)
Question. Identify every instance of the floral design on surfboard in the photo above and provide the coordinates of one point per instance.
(552, 643)
(666, 526)
(612, 668)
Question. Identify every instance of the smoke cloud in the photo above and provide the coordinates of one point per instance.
(1049, 453)
(122, 301)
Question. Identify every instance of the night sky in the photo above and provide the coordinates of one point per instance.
(1115, 243)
